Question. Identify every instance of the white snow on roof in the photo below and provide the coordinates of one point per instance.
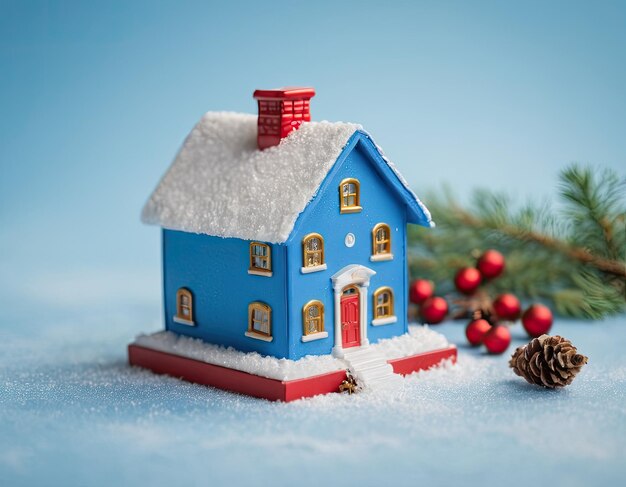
(220, 184)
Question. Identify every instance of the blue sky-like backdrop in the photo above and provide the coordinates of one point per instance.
(97, 97)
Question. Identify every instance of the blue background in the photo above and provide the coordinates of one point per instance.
(95, 99)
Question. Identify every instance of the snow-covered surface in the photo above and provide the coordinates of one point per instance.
(220, 184)
(73, 413)
(419, 339)
(253, 363)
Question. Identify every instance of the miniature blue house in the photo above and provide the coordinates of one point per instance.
(297, 249)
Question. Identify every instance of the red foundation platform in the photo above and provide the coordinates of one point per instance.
(272, 389)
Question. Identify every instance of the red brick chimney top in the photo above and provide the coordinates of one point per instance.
(281, 111)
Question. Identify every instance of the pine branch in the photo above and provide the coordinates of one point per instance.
(594, 207)
(572, 255)
(520, 233)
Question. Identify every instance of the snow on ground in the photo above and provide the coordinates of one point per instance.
(73, 413)
(419, 339)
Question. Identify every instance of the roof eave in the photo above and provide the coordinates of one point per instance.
(417, 212)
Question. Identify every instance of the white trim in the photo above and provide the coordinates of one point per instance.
(257, 336)
(380, 257)
(387, 320)
(183, 321)
(363, 316)
(260, 273)
(349, 240)
(353, 274)
(314, 268)
(315, 336)
(338, 348)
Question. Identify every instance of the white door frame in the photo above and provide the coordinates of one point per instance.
(359, 276)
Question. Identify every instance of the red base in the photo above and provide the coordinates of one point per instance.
(254, 385)
(422, 361)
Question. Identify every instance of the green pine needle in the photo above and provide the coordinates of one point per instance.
(571, 256)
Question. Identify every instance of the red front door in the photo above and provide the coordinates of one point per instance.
(350, 329)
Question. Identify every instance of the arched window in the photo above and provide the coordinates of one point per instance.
(259, 321)
(383, 305)
(313, 317)
(349, 196)
(184, 307)
(381, 242)
(313, 253)
(260, 259)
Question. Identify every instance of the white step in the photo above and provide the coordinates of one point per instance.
(364, 362)
(356, 352)
(362, 353)
(370, 367)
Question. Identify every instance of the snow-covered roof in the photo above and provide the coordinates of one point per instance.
(220, 184)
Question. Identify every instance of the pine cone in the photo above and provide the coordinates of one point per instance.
(349, 385)
(549, 361)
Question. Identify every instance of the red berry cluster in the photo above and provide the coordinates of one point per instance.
(489, 266)
(487, 328)
(537, 320)
(496, 337)
(433, 309)
(467, 280)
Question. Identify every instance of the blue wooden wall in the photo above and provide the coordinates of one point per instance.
(216, 271)
(380, 204)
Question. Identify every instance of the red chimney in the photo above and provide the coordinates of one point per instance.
(281, 111)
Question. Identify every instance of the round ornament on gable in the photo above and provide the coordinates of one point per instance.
(350, 240)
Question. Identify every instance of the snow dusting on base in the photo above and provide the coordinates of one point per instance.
(252, 362)
(420, 339)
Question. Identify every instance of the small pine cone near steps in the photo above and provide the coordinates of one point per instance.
(548, 361)
(349, 385)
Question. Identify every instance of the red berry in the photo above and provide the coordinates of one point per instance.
(467, 280)
(537, 320)
(476, 330)
(498, 339)
(434, 310)
(507, 307)
(491, 264)
(420, 291)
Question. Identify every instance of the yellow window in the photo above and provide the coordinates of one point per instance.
(349, 196)
(259, 319)
(312, 250)
(381, 239)
(184, 307)
(383, 303)
(260, 258)
(313, 317)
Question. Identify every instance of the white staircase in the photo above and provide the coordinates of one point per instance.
(369, 367)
